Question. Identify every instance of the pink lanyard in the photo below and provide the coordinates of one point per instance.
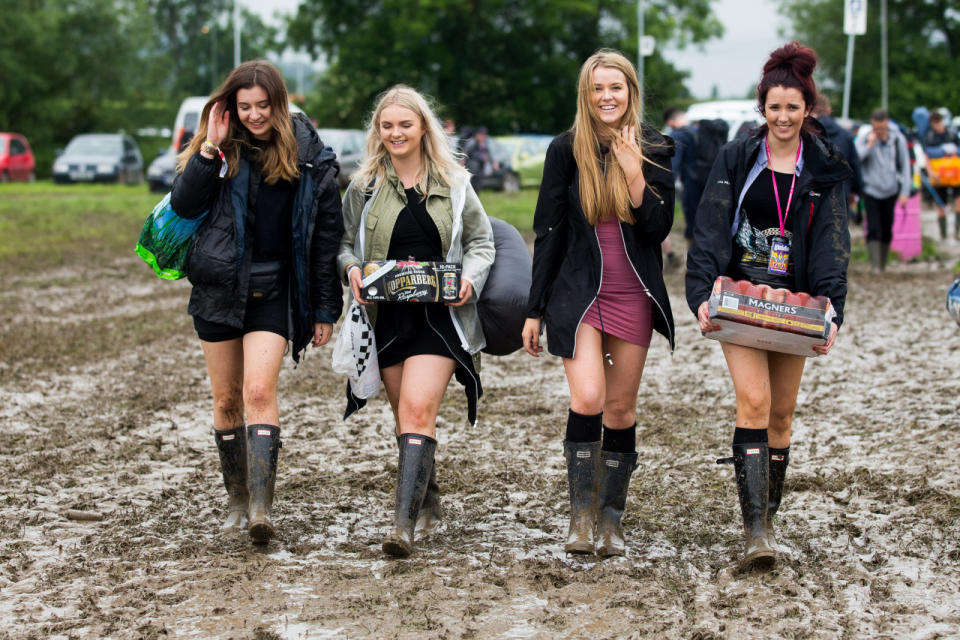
(776, 192)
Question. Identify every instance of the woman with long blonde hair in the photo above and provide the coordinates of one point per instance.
(263, 268)
(605, 205)
(411, 200)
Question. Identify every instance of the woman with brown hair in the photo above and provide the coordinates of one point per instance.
(605, 205)
(262, 266)
(779, 189)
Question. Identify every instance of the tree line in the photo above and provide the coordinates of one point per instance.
(73, 66)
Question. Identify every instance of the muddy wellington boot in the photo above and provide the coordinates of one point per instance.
(956, 225)
(779, 459)
(942, 223)
(414, 468)
(873, 251)
(263, 446)
(582, 462)
(884, 254)
(232, 446)
(429, 516)
(752, 464)
(615, 471)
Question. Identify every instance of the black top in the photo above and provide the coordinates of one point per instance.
(759, 225)
(415, 236)
(272, 220)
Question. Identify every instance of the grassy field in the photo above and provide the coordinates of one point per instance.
(43, 225)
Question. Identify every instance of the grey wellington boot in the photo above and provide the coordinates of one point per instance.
(232, 446)
(615, 471)
(413, 474)
(263, 447)
(582, 462)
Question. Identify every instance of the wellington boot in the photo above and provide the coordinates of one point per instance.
(956, 225)
(873, 251)
(752, 464)
(615, 471)
(942, 224)
(263, 445)
(779, 459)
(232, 446)
(884, 254)
(429, 516)
(414, 468)
(582, 462)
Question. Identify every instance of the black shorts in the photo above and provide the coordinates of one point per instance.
(272, 316)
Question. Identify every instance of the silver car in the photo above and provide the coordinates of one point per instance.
(99, 157)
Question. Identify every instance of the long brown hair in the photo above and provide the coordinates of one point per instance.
(603, 192)
(278, 159)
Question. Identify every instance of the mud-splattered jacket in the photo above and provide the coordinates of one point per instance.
(820, 247)
(566, 253)
(218, 265)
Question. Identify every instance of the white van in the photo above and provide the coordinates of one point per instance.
(737, 113)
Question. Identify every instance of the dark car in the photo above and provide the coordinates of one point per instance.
(348, 145)
(161, 171)
(16, 158)
(99, 157)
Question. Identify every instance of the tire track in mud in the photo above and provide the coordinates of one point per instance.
(120, 425)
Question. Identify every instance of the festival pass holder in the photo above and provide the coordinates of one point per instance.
(780, 246)
(779, 256)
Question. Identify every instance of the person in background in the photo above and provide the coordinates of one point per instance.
(938, 142)
(886, 182)
(480, 160)
(778, 189)
(684, 167)
(413, 201)
(842, 139)
(605, 205)
(263, 268)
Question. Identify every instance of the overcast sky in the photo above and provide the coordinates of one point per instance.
(732, 63)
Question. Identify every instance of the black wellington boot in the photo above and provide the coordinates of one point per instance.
(414, 468)
(615, 471)
(232, 446)
(779, 459)
(263, 446)
(582, 475)
(752, 464)
(429, 516)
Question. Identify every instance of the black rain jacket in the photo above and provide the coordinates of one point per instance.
(218, 265)
(818, 219)
(566, 254)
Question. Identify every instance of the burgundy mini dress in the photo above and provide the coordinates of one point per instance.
(622, 308)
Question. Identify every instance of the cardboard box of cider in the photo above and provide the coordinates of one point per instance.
(410, 281)
(765, 318)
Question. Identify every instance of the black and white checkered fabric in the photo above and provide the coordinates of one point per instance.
(362, 339)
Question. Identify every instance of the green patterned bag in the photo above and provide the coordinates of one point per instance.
(165, 240)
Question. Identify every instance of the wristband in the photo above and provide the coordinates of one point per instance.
(212, 149)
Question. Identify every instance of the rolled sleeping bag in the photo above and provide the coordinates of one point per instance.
(503, 303)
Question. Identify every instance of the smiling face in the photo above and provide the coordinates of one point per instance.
(610, 95)
(401, 131)
(784, 110)
(254, 111)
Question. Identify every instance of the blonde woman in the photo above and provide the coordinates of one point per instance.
(413, 201)
(605, 205)
(263, 268)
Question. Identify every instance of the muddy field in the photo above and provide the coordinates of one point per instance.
(106, 408)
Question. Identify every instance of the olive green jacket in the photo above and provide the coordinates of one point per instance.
(465, 234)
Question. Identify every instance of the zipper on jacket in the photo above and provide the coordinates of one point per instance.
(645, 289)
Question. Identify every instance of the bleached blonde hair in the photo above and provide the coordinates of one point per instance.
(437, 157)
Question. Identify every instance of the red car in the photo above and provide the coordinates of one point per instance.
(16, 158)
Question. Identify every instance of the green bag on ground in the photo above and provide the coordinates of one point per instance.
(165, 240)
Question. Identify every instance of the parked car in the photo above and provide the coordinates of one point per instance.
(99, 157)
(348, 145)
(524, 154)
(741, 115)
(16, 158)
(502, 178)
(161, 171)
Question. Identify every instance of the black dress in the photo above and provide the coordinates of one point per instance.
(405, 329)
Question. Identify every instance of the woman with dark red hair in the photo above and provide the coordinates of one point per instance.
(779, 188)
